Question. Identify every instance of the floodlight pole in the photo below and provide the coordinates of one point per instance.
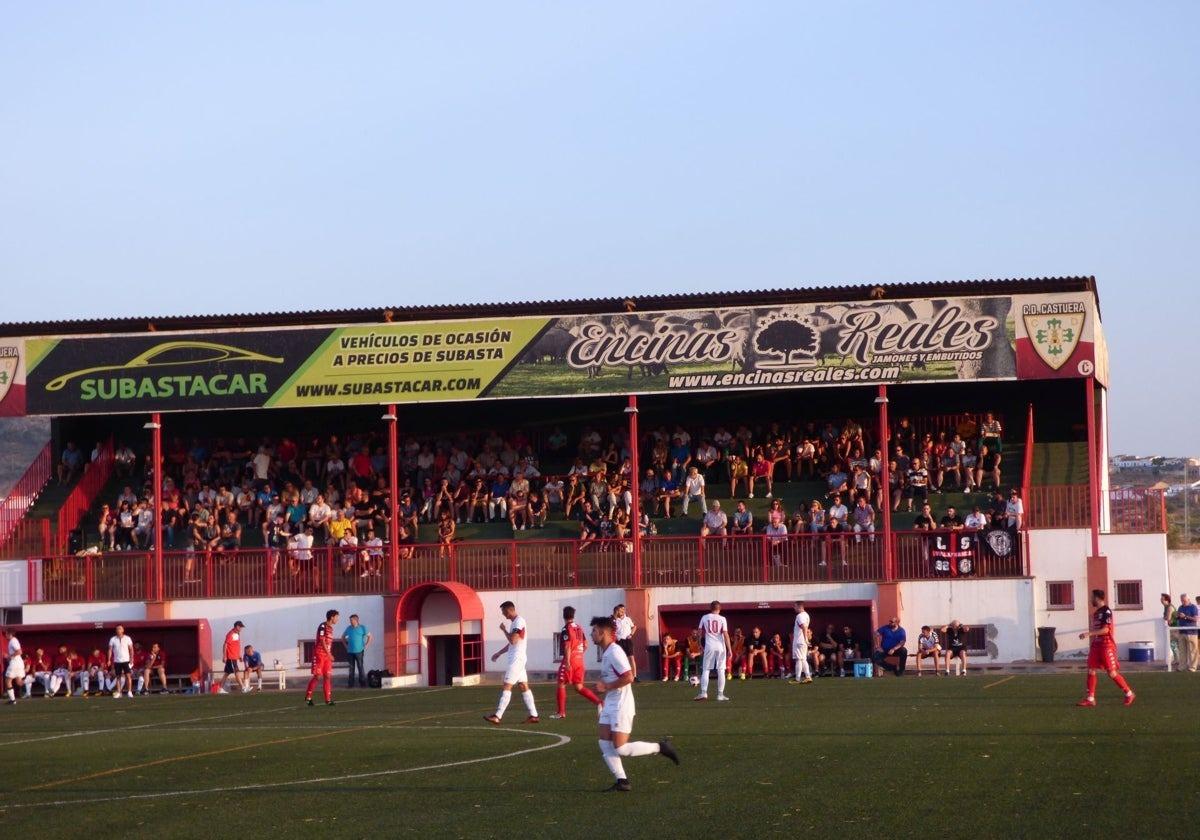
(635, 478)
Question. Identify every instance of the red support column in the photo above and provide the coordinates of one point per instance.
(156, 450)
(1097, 564)
(1027, 470)
(889, 571)
(393, 500)
(635, 479)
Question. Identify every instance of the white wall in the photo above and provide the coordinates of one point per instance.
(1005, 607)
(106, 611)
(14, 580)
(1062, 555)
(542, 612)
(1183, 568)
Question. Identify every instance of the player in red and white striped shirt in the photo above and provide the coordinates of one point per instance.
(322, 663)
(571, 671)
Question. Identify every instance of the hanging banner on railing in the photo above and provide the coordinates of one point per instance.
(801, 345)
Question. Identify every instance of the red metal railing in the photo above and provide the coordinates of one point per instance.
(83, 494)
(1135, 510)
(500, 565)
(18, 535)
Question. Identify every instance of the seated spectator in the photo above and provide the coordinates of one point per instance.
(155, 665)
(975, 521)
(739, 473)
(743, 520)
(124, 461)
(406, 539)
(737, 654)
(837, 513)
(924, 520)
(230, 538)
(715, 522)
(990, 434)
(70, 464)
(799, 520)
(589, 525)
(253, 664)
(319, 515)
(497, 499)
(63, 674)
(667, 492)
(695, 654)
(100, 680)
(837, 482)
(956, 646)
(817, 523)
(706, 459)
(537, 510)
(988, 465)
(1014, 511)
(671, 655)
(889, 641)
(779, 657)
(998, 510)
(917, 486)
(78, 670)
(373, 548)
(553, 490)
(951, 520)
(831, 652)
(106, 524)
(863, 521)
(849, 644)
(761, 470)
(929, 647)
(756, 652)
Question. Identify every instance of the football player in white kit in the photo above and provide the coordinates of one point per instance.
(800, 646)
(14, 674)
(515, 674)
(716, 641)
(617, 710)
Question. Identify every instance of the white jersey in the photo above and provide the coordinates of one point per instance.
(120, 648)
(714, 626)
(799, 637)
(624, 628)
(613, 664)
(517, 648)
(14, 647)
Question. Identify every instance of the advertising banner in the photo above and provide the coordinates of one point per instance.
(735, 348)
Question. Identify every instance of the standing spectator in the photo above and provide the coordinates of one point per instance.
(1171, 619)
(889, 641)
(120, 659)
(917, 488)
(357, 637)
(232, 650)
(990, 433)
(1189, 651)
(625, 631)
(694, 490)
(715, 521)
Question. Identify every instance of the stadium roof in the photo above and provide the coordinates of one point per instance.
(582, 306)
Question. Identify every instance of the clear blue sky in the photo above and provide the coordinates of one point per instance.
(162, 158)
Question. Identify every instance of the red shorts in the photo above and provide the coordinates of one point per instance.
(1103, 658)
(322, 667)
(571, 672)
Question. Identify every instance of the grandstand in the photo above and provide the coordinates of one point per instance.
(204, 441)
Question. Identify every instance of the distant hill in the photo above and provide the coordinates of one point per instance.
(20, 440)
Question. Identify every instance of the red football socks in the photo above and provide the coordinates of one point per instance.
(1091, 685)
(587, 694)
(562, 699)
(1121, 684)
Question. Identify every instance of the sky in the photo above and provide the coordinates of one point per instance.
(243, 157)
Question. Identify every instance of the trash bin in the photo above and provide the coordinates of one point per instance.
(654, 654)
(1047, 643)
(1141, 651)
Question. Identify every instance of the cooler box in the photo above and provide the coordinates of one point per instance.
(1141, 651)
(864, 670)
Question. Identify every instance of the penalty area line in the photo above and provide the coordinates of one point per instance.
(559, 741)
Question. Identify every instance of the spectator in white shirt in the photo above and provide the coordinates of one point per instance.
(319, 514)
(1014, 508)
(694, 490)
(975, 521)
(715, 522)
(262, 464)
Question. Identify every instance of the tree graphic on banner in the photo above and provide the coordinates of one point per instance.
(788, 337)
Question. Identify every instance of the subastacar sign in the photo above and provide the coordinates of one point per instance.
(949, 339)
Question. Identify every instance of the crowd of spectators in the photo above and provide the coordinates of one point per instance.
(334, 491)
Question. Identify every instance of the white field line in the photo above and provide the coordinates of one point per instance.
(272, 710)
(560, 741)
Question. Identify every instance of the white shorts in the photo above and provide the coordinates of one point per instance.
(16, 669)
(618, 718)
(516, 674)
(799, 652)
(714, 659)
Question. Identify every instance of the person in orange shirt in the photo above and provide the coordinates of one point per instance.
(233, 657)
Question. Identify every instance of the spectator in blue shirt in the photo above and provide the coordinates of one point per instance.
(356, 637)
(1186, 615)
(889, 641)
(71, 463)
(668, 490)
(253, 662)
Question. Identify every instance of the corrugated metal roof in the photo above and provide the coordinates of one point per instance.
(578, 306)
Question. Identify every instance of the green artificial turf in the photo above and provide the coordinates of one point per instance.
(984, 756)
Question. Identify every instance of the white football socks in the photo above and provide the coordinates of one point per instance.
(505, 699)
(609, 752)
(720, 682)
(530, 706)
(633, 749)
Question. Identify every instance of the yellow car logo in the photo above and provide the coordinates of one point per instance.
(154, 358)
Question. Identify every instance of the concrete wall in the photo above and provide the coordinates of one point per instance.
(1005, 607)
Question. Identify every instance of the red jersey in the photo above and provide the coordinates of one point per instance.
(62, 661)
(1102, 618)
(41, 663)
(233, 644)
(139, 660)
(97, 660)
(324, 641)
(74, 662)
(574, 642)
(157, 660)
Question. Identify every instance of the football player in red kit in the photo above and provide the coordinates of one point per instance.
(571, 671)
(1102, 655)
(322, 666)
